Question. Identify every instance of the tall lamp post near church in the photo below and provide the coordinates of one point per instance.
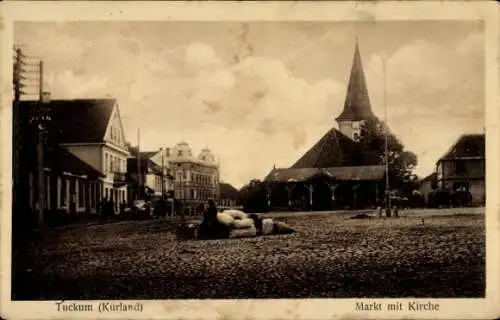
(386, 144)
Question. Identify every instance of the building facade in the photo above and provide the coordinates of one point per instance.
(427, 185)
(195, 178)
(463, 167)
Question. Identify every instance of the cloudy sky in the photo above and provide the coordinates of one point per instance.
(263, 93)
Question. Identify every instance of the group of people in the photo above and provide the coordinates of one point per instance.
(107, 207)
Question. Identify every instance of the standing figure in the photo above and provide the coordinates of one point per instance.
(210, 227)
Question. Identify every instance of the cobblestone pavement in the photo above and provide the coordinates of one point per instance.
(329, 256)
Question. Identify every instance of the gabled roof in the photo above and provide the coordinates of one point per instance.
(147, 154)
(227, 191)
(333, 149)
(362, 173)
(61, 160)
(431, 177)
(467, 146)
(145, 164)
(78, 120)
(357, 103)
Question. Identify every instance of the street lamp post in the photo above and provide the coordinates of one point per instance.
(386, 144)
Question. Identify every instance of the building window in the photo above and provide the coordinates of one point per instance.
(105, 162)
(355, 124)
(356, 136)
(167, 152)
(184, 173)
(460, 166)
(179, 153)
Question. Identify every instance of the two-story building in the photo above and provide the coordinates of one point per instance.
(91, 130)
(463, 167)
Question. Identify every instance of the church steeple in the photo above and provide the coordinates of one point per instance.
(357, 103)
(357, 107)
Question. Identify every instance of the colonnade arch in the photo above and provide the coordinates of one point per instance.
(322, 194)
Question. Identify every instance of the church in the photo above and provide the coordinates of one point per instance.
(332, 174)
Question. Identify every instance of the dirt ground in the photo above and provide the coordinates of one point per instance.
(331, 255)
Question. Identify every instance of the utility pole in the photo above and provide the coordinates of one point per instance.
(17, 145)
(386, 143)
(38, 119)
(162, 176)
(40, 140)
(139, 176)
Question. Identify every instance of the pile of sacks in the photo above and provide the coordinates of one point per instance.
(244, 225)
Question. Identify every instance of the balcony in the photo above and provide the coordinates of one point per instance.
(119, 178)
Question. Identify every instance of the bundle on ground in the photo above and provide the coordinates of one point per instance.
(243, 223)
(236, 214)
(225, 218)
(243, 233)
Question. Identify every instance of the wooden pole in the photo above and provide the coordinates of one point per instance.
(139, 177)
(41, 128)
(16, 190)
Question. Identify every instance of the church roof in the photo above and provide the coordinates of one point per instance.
(333, 149)
(357, 103)
(361, 173)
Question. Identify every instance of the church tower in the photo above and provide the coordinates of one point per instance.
(357, 106)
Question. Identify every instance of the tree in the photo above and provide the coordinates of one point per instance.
(253, 196)
(401, 162)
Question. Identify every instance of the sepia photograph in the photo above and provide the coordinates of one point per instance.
(248, 159)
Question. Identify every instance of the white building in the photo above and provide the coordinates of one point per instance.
(92, 130)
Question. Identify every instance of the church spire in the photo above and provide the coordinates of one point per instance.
(357, 103)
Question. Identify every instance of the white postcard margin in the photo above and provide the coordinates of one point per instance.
(271, 11)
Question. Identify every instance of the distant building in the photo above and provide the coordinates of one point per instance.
(153, 177)
(89, 136)
(332, 173)
(463, 167)
(229, 196)
(195, 178)
(427, 185)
